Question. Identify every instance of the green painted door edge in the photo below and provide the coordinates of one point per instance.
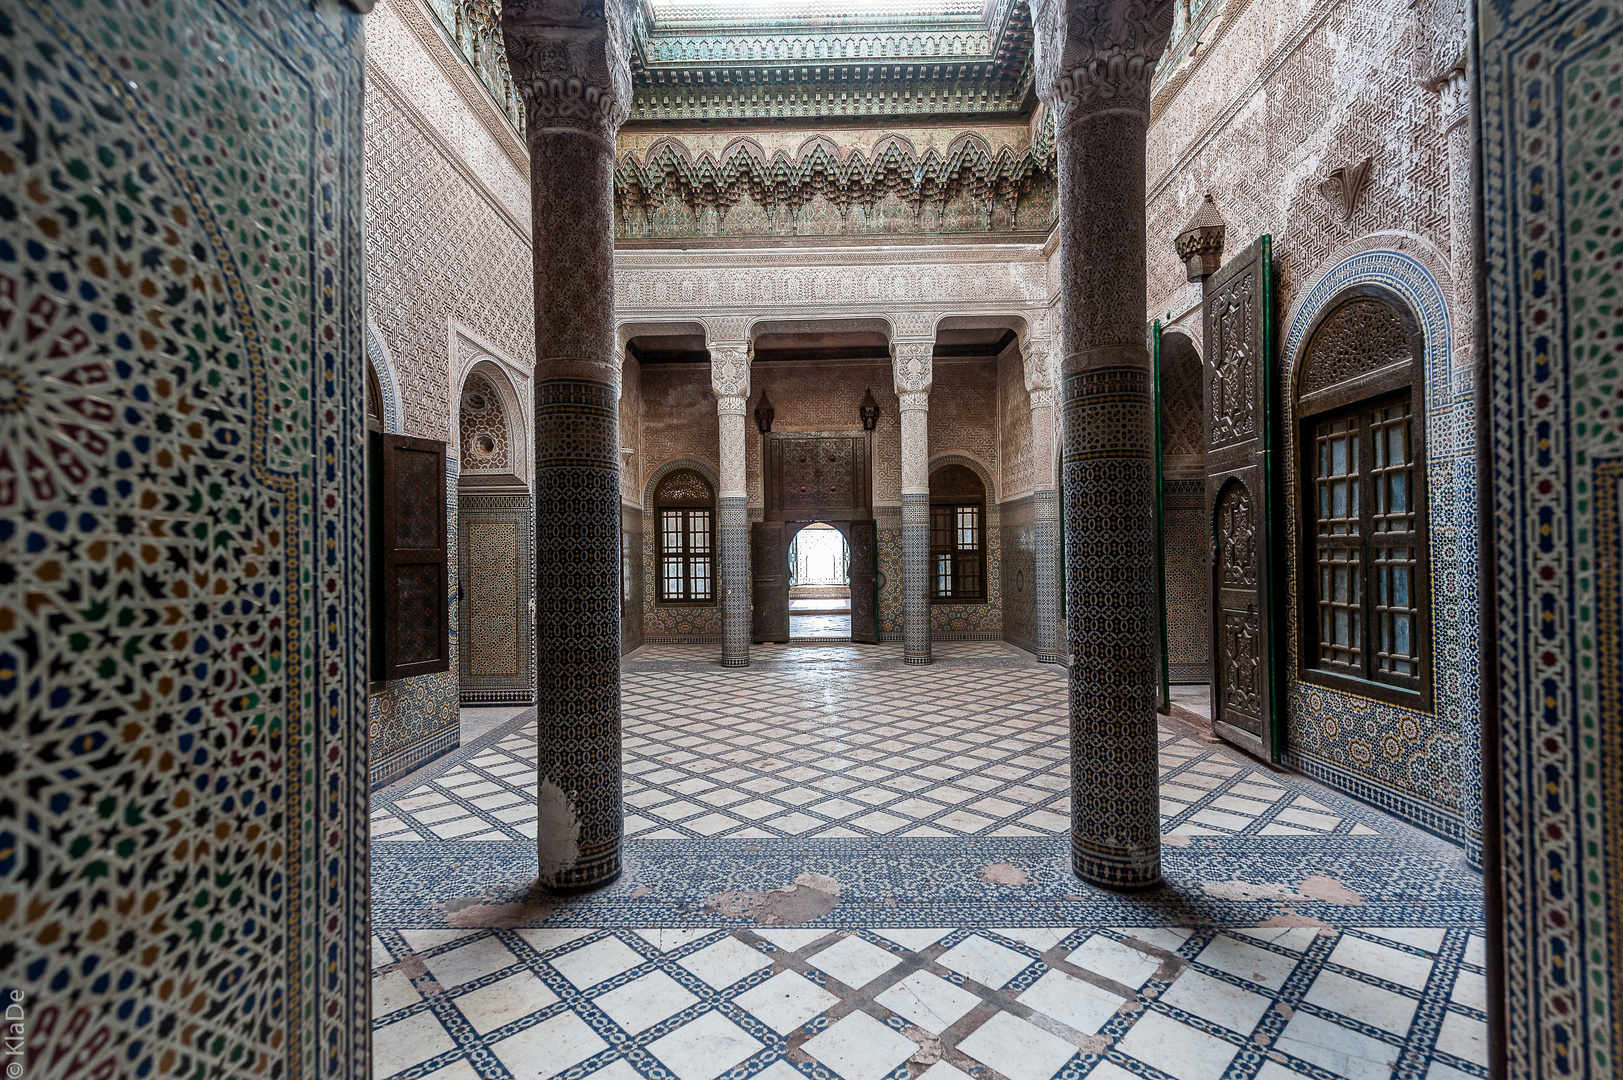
(1164, 672)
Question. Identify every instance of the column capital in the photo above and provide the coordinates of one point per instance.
(730, 370)
(1037, 347)
(1098, 55)
(571, 65)
(911, 361)
(1042, 399)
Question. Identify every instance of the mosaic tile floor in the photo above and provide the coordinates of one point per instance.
(841, 870)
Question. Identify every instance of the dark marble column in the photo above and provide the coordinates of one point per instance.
(575, 84)
(1094, 63)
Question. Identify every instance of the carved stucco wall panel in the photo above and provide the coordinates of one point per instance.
(436, 251)
(1301, 91)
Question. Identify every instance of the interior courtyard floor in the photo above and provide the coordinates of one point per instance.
(841, 867)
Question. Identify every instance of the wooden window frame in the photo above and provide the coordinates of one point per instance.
(661, 597)
(951, 550)
(392, 667)
(1359, 396)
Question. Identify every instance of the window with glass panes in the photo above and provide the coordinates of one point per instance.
(684, 522)
(957, 535)
(1363, 483)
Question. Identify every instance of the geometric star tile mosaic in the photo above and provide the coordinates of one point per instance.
(822, 751)
(1299, 934)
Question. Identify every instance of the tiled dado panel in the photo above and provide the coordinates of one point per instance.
(181, 502)
(1551, 141)
(632, 582)
(1410, 762)
(410, 722)
(1019, 558)
(496, 568)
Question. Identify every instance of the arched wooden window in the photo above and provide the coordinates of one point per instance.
(957, 535)
(1365, 585)
(685, 513)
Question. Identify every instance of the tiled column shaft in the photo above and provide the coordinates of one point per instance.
(572, 119)
(1097, 66)
(1045, 526)
(915, 423)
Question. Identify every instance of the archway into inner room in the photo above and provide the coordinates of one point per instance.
(1183, 494)
(819, 583)
(495, 620)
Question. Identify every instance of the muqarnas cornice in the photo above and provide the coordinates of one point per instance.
(732, 72)
(871, 186)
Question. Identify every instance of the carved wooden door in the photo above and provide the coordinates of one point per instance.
(1239, 483)
(863, 537)
(769, 555)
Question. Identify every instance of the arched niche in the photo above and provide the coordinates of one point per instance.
(495, 538)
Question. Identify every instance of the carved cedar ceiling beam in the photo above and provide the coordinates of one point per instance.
(737, 72)
(846, 177)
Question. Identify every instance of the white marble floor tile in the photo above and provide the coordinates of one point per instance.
(1041, 938)
(489, 1007)
(1393, 965)
(642, 1003)
(1076, 1003)
(391, 993)
(1018, 1049)
(1343, 1051)
(792, 940)
(1115, 961)
(1109, 1070)
(1429, 938)
(1170, 938)
(618, 1069)
(1218, 1001)
(1464, 1037)
(1176, 1048)
(407, 1042)
(941, 1071)
(914, 939)
(985, 961)
(469, 962)
(929, 1001)
(855, 962)
(1470, 990)
(1294, 938)
(667, 938)
(785, 1001)
(704, 1048)
(1361, 1001)
(1476, 950)
(544, 941)
(548, 1048)
(591, 964)
(1439, 1071)
(1247, 961)
(858, 1047)
(724, 963)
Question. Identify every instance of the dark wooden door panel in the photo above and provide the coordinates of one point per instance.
(416, 603)
(1239, 392)
(769, 555)
(863, 536)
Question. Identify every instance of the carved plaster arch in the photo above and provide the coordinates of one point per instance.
(975, 465)
(668, 466)
(377, 351)
(491, 374)
(512, 382)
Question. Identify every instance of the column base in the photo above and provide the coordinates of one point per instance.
(588, 876)
(735, 661)
(920, 660)
(1117, 871)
